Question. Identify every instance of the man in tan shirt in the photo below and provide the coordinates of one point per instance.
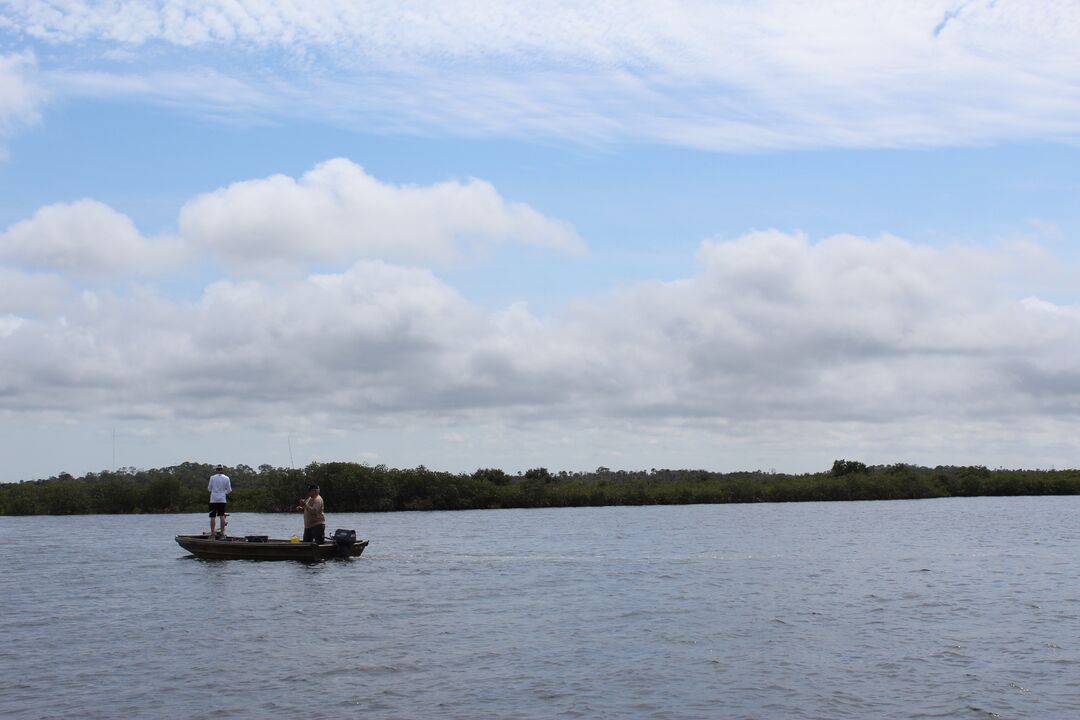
(314, 519)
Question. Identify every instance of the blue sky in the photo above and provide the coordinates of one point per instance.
(726, 236)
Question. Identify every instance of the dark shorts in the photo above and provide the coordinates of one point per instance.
(315, 534)
(217, 509)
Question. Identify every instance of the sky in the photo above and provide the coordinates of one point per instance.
(667, 234)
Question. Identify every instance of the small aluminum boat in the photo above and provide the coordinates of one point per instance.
(342, 544)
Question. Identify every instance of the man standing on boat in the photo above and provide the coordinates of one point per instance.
(314, 519)
(219, 488)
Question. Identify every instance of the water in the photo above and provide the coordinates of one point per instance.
(964, 608)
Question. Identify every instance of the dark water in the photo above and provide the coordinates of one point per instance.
(926, 609)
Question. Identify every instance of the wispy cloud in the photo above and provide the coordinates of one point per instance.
(20, 96)
(739, 76)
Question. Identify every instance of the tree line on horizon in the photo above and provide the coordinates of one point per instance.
(354, 487)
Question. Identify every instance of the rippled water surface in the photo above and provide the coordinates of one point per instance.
(962, 608)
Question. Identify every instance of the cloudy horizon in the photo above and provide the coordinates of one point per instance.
(649, 235)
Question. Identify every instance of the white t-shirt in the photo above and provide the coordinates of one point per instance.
(219, 487)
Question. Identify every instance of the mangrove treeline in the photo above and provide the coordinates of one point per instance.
(352, 487)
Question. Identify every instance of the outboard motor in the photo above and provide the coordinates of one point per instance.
(344, 540)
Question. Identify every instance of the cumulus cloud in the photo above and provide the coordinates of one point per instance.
(778, 73)
(334, 214)
(85, 238)
(847, 328)
(347, 343)
(23, 293)
(774, 332)
(338, 212)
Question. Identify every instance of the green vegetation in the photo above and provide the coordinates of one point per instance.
(350, 487)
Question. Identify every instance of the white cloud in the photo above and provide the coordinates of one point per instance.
(24, 293)
(775, 341)
(778, 73)
(336, 212)
(85, 238)
(9, 324)
(773, 333)
(20, 97)
(201, 90)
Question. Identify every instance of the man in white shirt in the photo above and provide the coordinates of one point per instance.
(219, 488)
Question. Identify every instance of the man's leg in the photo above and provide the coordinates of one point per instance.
(217, 510)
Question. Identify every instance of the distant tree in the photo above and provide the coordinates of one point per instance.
(495, 476)
(846, 467)
(539, 473)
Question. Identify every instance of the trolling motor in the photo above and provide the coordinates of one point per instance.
(344, 540)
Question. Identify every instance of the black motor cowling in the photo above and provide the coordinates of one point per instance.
(344, 540)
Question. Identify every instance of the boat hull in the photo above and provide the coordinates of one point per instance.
(202, 546)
